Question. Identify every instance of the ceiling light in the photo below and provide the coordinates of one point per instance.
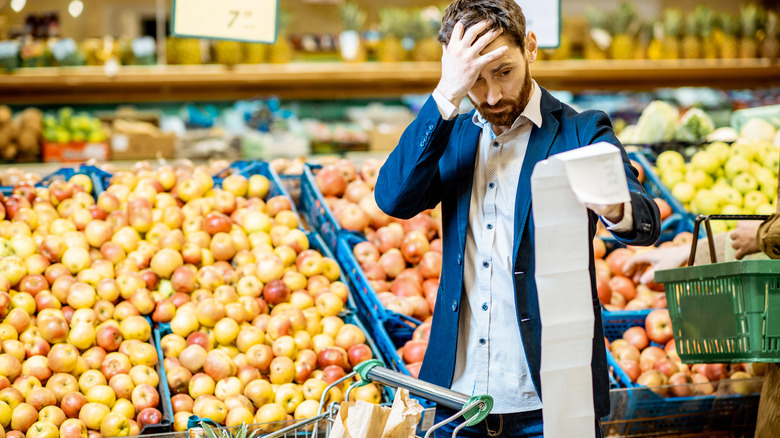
(75, 8)
(18, 5)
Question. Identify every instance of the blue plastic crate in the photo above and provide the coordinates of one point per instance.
(293, 185)
(100, 179)
(165, 406)
(316, 210)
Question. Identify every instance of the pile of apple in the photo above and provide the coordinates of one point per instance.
(649, 357)
(401, 258)
(723, 179)
(617, 290)
(76, 354)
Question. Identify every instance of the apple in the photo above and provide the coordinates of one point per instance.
(681, 385)
(289, 396)
(72, 403)
(655, 380)
(227, 387)
(149, 416)
(145, 396)
(282, 370)
(73, 428)
(259, 392)
(123, 386)
(666, 366)
(61, 384)
(93, 414)
(115, 425)
(349, 335)
(333, 356)
(219, 365)
(115, 363)
(62, 358)
(658, 325)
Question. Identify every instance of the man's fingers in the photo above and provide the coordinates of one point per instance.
(457, 32)
(471, 33)
(491, 56)
(485, 39)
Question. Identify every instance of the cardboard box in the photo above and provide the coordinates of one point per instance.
(385, 137)
(74, 152)
(142, 146)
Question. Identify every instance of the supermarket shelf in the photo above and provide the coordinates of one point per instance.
(333, 80)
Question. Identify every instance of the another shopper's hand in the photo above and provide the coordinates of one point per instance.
(669, 257)
(462, 59)
(743, 238)
(612, 212)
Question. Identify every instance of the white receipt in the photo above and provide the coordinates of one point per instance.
(559, 187)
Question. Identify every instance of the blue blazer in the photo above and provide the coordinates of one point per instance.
(434, 162)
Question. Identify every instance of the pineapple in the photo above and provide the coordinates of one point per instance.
(770, 47)
(392, 23)
(425, 29)
(281, 51)
(655, 50)
(255, 53)
(643, 41)
(728, 45)
(352, 19)
(691, 46)
(624, 27)
(671, 43)
(598, 40)
(228, 52)
(748, 25)
(709, 49)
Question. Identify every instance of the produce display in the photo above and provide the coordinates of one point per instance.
(648, 356)
(77, 354)
(20, 136)
(252, 341)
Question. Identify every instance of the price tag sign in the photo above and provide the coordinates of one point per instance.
(144, 46)
(63, 48)
(544, 19)
(9, 49)
(239, 20)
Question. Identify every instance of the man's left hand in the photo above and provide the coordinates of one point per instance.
(612, 212)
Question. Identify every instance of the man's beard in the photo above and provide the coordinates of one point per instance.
(514, 105)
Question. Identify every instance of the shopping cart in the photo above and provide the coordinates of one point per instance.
(474, 409)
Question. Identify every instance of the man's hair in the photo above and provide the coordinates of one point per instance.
(502, 14)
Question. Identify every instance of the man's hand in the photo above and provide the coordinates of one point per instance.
(461, 60)
(612, 213)
(743, 238)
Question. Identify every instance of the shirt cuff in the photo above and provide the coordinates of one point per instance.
(446, 108)
(625, 224)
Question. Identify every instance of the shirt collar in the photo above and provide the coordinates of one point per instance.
(532, 111)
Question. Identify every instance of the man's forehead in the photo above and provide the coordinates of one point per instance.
(501, 41)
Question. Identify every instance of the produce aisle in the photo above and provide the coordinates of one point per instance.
(189, 234)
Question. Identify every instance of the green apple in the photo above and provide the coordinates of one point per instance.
(706, 162)
(763, 175)
(729, 195)
(769, 189)
(720, 150)
(670, 160)
(744, 182)
(754, 199)
(735, 165)
(706, 202)
(698, 178)
(684, 191)
(771, 160)
(671, 177)
(718, 227)
(731, 209)
(766, 209)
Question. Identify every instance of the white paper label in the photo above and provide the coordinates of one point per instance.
(143, 47)
(63, 48)
(543, 18)
(119, 142)
(242, 20)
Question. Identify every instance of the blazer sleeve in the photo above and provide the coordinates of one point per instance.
(647, 219)
(409, 182)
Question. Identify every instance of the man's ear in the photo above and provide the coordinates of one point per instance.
(530, 46)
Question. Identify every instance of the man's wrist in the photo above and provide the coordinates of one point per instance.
(453, 98)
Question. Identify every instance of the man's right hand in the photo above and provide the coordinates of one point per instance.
(462, 61)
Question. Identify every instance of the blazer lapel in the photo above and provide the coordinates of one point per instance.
(468, 142)
(539, 146)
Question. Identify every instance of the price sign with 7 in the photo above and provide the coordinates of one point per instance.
(239, 20)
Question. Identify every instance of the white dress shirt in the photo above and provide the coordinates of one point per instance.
(490, 355)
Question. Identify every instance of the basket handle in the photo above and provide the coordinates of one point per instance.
(710, 242)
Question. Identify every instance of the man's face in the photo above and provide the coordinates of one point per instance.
(504, 86)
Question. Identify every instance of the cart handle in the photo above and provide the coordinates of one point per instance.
(373, 371)
(710, 242)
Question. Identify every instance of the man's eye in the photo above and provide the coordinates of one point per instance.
(505, 73)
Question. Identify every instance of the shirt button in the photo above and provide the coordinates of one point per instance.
(482, 341)
(484, 306)
(454, 306)
(489, 226)
(491, 185)
(496, 144)
(485, 264)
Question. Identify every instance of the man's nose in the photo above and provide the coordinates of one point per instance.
(494, 95)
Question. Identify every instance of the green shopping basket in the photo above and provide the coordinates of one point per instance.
(724, 312)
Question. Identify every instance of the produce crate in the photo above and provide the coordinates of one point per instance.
(293, 185)
(248, 168)
(165, 406)
(638, 411)
(100, 179)
(316, 210)
(725, 312)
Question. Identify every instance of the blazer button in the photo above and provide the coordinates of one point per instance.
(460, 259)
(454, 306)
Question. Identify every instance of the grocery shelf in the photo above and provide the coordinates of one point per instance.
(335, 80)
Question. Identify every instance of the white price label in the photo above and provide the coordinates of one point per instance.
(240, 20)
(144, 46)
(544, 19)
(9, 49)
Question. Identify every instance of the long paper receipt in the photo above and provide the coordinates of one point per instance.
(559, 187)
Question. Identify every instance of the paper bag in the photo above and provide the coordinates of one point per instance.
(404, 416)
(365, 420)
(359, 420)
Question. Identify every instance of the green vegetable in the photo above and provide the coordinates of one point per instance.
(657, 123)
(695, 125)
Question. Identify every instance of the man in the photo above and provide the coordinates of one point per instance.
(486, 334)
